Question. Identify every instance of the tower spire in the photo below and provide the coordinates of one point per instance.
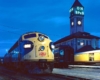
(77, 3)
(76, 17)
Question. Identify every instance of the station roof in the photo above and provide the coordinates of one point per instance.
(84, 35)
(85, 48)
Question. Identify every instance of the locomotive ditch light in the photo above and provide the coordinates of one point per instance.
(41, 38)
(27, 46)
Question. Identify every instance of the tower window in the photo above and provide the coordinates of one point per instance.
(78, 8)
(76, 12)
(81, 8)
(71, 10)
(82, 13)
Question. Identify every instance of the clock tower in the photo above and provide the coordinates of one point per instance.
(76, 17)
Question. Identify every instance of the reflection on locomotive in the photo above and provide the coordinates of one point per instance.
(31, 53)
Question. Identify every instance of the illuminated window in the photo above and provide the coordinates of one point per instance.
(81, 8)
(82, 13)
(78, 8)
(76, 12)
(72, 9)
(81, 43)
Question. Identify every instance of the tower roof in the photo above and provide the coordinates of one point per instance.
(77, 3)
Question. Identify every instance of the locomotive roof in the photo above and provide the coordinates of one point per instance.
(33, 32)
(84, 35)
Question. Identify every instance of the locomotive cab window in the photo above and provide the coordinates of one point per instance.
(42, 35)
(29, 36)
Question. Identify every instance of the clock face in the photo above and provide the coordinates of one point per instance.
(79, 22)
(72, 23)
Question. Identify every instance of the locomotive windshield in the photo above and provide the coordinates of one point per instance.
(42, 35)
(29, 36)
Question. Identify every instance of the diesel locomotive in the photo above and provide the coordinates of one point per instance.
(32, 53)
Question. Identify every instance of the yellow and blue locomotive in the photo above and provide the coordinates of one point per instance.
(32, 53)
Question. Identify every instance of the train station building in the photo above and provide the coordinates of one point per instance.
(78, 39)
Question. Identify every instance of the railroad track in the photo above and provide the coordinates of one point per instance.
(13, 75)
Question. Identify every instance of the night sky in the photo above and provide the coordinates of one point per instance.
(50, 17)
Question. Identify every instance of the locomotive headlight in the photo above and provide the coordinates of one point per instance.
(27, 46)
(52, 46)
(41, 48)
(41, 38)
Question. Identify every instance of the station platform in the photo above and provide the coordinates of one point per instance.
(84, 66)
(92, 74)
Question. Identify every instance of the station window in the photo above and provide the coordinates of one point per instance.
(86, 42)
(78, 42)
